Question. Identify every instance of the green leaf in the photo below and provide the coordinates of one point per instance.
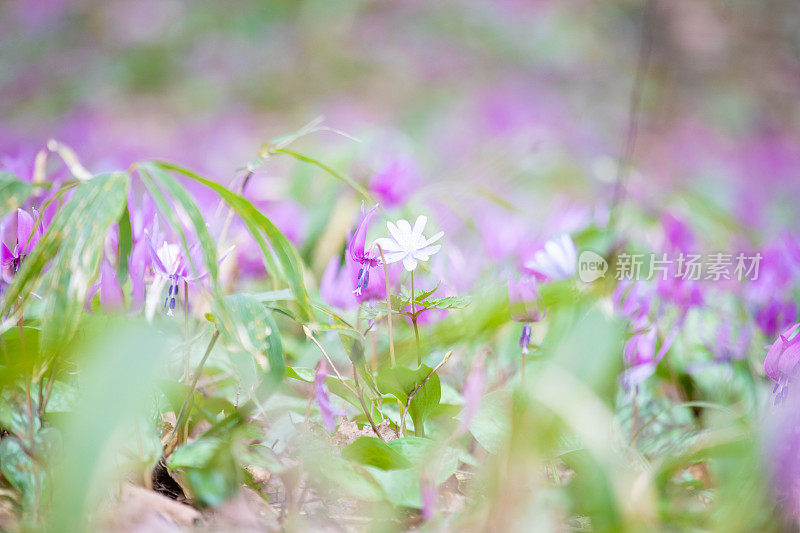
(76, 243)
(252, 328)
(491, 425)
(374, 452)
(400, 382)
(13, 192)
(209, 468)
(425, 453)
(196, 454)
(343, 476)
(280, 256)
(18, 468)
(338, 175)
(125, 244)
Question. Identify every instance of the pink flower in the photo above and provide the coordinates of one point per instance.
(29, 231)
(473, 391)
(365, 259)
(326, 410)
(395, 180)
(782, 360)
(525, 303)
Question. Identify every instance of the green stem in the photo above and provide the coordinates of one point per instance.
(186, 329)
(414, 321)
(188, 401)
(388, 306)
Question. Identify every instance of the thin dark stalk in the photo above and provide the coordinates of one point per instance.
(634, 109)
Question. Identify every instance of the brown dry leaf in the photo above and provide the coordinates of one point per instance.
(349, 431)
(139, 509)
(246, 511)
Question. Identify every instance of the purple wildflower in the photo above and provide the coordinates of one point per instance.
(111, 296)
(428, 494)
(395, 180)
(326, 410)
(172, 265)
(525, 304)
(782, 450)
(781, 362)
(473, 391)
(366, 259)
(29, 231)
(334, 286)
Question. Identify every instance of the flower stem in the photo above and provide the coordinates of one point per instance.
(188, 401)
(356, 392)
(388, 305)
(186, 328)
(414, 321)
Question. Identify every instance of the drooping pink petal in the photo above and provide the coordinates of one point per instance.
(358, 241)
(428, 494)
(110, 290)
(137, 267)
(156, 261)
(28, 232)
(326, 410)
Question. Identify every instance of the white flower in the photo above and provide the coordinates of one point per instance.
(408, 245)
(558, 260)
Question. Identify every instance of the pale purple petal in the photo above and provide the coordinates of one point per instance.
(326, 410)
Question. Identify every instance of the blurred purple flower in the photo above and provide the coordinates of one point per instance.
(326, 410)
(525, 304)
(782, 449)
(558, 259)
(782, 360)
(111, 296)
(428, 494)
(769, 297)
(334, 286)
(633, 299)
(473, 391)
(395, 180)
(29, 231)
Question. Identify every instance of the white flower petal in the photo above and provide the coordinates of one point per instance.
(434, 238)
(427, 251)
(395, 232)
(409, 263)
(387, 245)
(419, 227)
(394, 257)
